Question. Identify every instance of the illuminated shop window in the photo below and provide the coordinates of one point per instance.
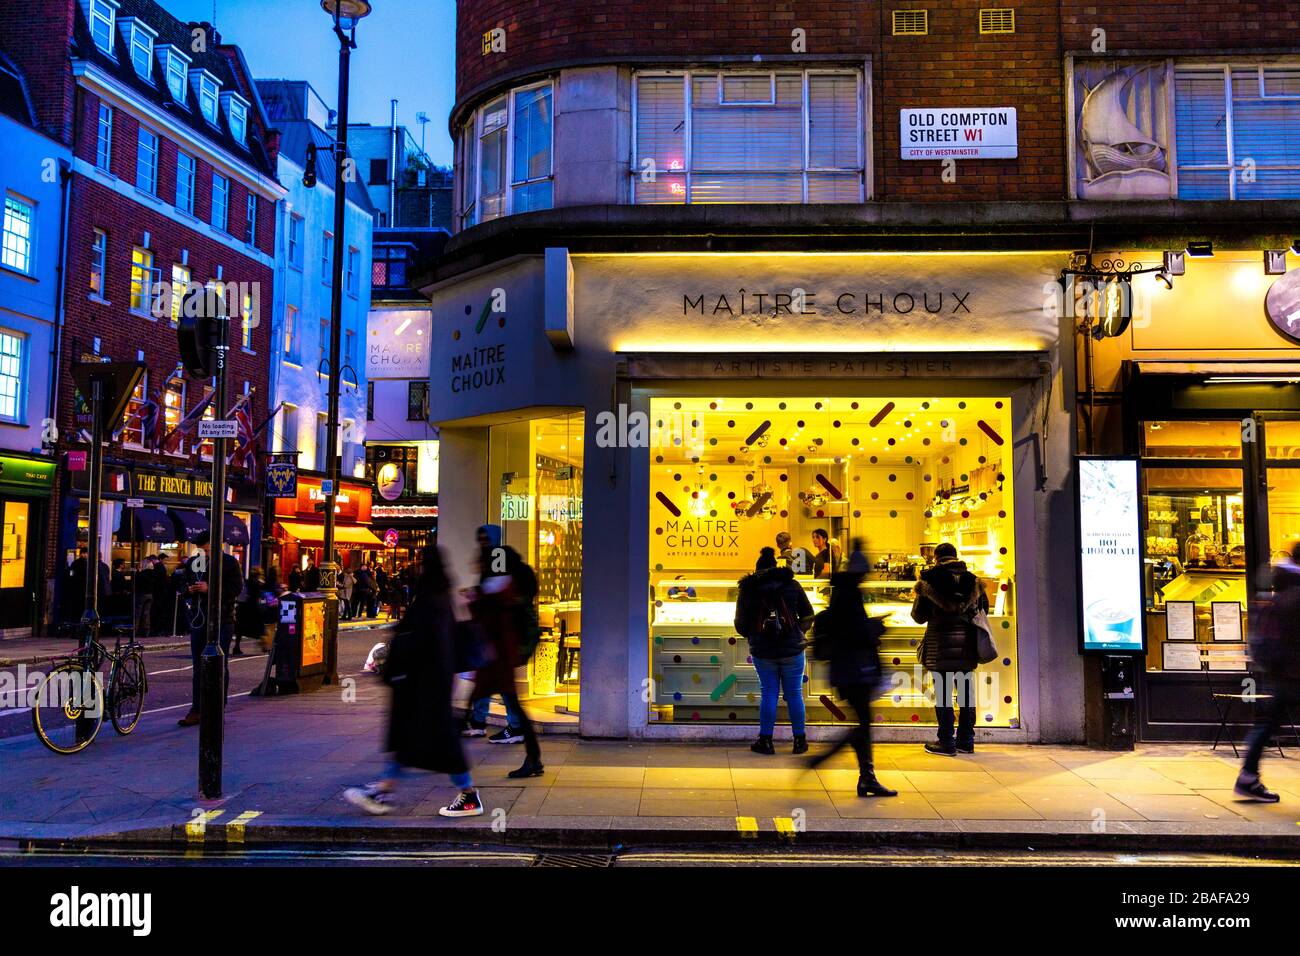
(729, 475)
(535, 471)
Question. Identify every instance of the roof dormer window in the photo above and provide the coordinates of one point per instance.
(175, 65)
(101, 14)
(207, 89)
(236, 108)
(139, 38)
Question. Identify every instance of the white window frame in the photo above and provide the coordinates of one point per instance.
(182, 277)
(140, 38)
(224, 224)
(291, 346)
(176, 68)
(296, 225)
(142, 147)
(146, 284)
(1230, 167)
(162, 410)
(102, 12)
(192, 174)
(29, 240)
(104, 138)
(327, 257)
(237, 115)
(472, 134)
(20, 392)
(99, 262)
(126, 414)
(207, 90)
(350, 273)
(863, 167)
(250, 218)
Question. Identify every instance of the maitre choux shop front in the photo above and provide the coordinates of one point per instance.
(641, 425)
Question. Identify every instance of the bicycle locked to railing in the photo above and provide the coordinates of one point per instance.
(71, 701)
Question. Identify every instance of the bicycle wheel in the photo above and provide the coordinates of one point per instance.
(69, 708)
(126, 693)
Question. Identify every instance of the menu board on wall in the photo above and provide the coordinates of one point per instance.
(1110, 556)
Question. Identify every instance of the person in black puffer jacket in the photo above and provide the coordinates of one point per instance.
(947, 598)
(773, 613)
(850, 640)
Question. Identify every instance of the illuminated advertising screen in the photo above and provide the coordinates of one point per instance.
(1110, 556)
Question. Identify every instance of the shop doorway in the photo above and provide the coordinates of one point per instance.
(1221, 499)
(535, 470)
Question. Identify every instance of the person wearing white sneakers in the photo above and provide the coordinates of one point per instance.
(422, 731)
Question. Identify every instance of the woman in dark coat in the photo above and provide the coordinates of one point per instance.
(850, 640)
(248, 612)
(499, 608)
(422, 733)
(947, 598)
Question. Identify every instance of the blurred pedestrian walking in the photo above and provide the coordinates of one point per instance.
(422, 731)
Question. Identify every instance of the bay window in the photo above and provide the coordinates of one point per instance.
(765, 137)
(506, 156)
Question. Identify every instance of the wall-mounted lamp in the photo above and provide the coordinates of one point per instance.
(1175, 263)
(1274, 262)
(1200, 249)
(1163, 276)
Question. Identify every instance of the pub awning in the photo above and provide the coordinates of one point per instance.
(145, 524)
(236, 531)
(189, 524)
(343, 534)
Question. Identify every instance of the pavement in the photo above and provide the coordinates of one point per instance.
(288, 760)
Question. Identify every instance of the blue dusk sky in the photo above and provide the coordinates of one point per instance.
(405, 49)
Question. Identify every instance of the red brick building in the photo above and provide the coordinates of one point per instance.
(173, 185)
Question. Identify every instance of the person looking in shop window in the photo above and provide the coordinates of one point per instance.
(772, 613)
(826, 554)
(947, 599)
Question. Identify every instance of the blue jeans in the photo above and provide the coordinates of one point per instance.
(393, 771)
(777, 677)
(479, 713)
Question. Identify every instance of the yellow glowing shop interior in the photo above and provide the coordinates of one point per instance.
(904, 474)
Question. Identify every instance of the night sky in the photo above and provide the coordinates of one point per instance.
(405, 49)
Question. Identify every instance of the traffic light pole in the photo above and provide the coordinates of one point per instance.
(212, 676)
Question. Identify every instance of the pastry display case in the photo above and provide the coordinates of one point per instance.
(702, 669)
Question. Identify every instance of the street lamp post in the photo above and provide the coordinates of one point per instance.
(346, 14)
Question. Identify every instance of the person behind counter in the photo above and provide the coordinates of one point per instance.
(826, 554)
(947, 598)
(783, 551)
(772, 612)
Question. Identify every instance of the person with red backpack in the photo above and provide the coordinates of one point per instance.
(772, 613)
(1275, 649)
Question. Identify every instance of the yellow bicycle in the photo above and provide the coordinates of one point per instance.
(71, 703)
